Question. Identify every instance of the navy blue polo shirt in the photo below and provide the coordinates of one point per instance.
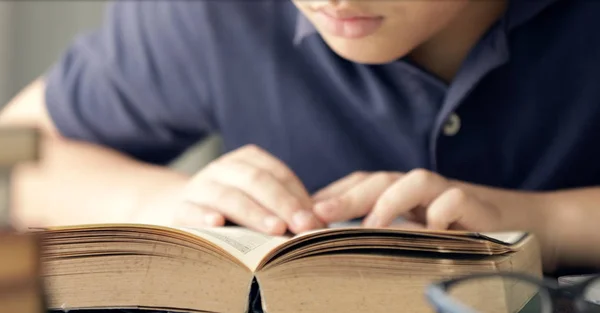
(158, 76)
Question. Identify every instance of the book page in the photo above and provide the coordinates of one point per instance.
(506, 237)
(509, 238)
(246, 245)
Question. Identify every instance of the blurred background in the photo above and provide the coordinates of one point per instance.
(33, 34)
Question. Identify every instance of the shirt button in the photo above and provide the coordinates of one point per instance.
(452, 125)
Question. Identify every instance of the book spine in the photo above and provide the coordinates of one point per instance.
(18, 145)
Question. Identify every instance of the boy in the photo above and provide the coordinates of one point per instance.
(477, 115)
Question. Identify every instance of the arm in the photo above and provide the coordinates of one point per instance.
(566, 222)
(115, 108)
(82, 183)
(125, 100)
(573, 225)
(71, 183)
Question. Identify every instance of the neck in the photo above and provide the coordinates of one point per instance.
(445, 52)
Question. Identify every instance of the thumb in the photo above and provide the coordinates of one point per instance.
(193, 215)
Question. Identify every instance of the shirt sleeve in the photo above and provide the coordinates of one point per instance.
(137, 83)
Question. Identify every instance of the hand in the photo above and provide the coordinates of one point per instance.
(421, 196)
(249, 187)
(439, 203)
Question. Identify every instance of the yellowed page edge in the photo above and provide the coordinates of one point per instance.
(247, 245)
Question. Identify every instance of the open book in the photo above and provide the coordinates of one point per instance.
(212, 270)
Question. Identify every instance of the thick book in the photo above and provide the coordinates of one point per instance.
(19, 145)
(349, 269)
(21, 287)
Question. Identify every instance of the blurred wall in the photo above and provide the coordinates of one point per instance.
(33, 34)
(6, 9)
(42, 30)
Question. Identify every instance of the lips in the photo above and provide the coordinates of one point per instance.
(346, 23)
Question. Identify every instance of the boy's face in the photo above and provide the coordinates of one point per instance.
(378, 31)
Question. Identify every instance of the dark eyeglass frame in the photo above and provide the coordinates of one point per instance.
(438, 297)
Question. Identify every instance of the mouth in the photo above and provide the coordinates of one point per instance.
(347, 23)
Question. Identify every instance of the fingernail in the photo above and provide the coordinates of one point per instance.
(371, 221)
(303, 219)
(408, 225)
(211, 219)
(270, 223)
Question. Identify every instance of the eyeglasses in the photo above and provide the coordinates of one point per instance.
(513, 293)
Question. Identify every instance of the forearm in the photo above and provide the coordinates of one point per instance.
(76, 182)
(574, 226)
(79, 183)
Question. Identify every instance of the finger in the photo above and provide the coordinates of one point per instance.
(406, 224)
(236, 206)
(417, 188)
(456, 209)
(267, 191)
(196, 215)
(357, 201)
(417, 215)
(340, 186)
(261, 159)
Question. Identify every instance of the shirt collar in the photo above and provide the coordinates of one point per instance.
(518, 13)
(304, 28)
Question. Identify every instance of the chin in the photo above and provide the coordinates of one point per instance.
(365, 51)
